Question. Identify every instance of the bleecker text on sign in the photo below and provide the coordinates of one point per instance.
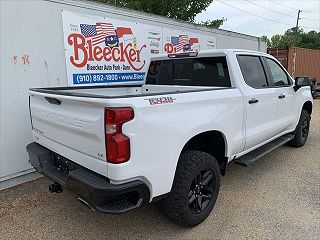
(91, 53)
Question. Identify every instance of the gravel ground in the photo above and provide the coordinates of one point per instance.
(277, 197)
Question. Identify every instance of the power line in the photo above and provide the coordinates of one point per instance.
(311, 19)
(236, 23)
(283, 5)
(270, 9)
(259, 16)
(254, 14)
(296, 9)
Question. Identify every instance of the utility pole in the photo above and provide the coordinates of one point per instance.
(296, 30)
(298, 18)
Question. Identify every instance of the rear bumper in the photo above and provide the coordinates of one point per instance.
(90, 187)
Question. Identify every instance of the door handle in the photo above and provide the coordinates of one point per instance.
(253, 100)
(281, 96)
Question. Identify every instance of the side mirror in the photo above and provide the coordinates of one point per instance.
(300, 82)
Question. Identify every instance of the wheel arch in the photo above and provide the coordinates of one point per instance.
(218, 146)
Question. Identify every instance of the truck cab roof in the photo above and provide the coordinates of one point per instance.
(206, 53)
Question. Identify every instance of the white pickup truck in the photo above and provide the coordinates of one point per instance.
(121, 147)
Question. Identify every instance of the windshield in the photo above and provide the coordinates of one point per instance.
(206, 71)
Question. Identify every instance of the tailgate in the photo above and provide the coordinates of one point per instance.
(71, 122)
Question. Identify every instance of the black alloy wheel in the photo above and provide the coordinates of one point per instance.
(201, 191)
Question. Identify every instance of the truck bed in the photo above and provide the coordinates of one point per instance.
(120, 91)
(70, 120)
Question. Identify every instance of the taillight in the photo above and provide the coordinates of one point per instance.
(117, 144)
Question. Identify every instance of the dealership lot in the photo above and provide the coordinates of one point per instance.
(278, 197)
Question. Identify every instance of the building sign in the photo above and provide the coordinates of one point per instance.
(102, 50)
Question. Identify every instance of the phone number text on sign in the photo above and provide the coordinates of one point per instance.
(91, 78)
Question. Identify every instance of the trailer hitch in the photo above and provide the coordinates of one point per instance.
(55, 188)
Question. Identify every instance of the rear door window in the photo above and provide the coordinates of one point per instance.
(253, 71)
(206, 71)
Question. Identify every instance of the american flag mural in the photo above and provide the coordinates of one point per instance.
(180, 42)
(97, 33)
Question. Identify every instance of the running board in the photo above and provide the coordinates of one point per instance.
(258, 153)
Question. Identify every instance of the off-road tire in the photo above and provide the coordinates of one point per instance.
(302, 130)
(190, 166)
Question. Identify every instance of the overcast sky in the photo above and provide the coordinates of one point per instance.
(282, 15)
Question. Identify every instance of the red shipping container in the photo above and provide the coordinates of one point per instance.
(299, 61)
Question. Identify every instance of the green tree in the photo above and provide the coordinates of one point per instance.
(294, 37)
(276, 41)
(178, 9)
(310, 40)
(266, 39)
(214, 23)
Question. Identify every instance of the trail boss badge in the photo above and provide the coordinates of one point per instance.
(160, 100)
